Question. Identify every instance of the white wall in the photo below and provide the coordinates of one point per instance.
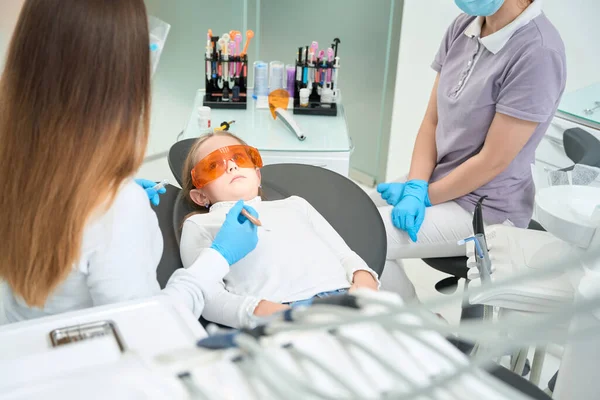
(423, 26)
(9, 12)
(578, 22)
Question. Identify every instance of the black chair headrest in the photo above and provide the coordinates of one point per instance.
(582, 147)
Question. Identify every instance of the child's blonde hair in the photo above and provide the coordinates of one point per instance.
(190, 163)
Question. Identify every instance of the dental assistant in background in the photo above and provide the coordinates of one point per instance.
(77, 230)
(501, 71)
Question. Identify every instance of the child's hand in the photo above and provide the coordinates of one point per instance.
(266, 308)
(363, 279)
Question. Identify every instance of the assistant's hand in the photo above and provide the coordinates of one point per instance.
(363, 279)
(391, 192)
(238, 236)
(147, 185)
(409, 213)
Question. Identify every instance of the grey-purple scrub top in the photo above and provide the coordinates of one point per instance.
(521, 74)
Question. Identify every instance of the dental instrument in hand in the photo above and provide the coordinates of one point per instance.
(161, 185)
(253, 220)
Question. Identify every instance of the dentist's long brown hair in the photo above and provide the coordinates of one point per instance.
(74, 121)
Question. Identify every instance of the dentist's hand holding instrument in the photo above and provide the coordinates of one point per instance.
(237, 236)
(153, 189)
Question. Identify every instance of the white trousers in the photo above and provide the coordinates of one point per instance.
(444, 225)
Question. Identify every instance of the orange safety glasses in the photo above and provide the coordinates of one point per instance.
(214, 165)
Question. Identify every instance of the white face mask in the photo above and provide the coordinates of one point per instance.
(159, 30)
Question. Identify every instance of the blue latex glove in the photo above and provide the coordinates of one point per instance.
(391, 192)
(237, 237)
(147, 185)
(409, 213)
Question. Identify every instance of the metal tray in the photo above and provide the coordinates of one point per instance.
(90, 330)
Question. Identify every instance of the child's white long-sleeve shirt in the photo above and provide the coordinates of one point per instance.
(299, 256)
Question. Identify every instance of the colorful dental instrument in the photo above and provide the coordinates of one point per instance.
(249, 35)
(226, 70)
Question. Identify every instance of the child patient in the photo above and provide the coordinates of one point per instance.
(298, 256)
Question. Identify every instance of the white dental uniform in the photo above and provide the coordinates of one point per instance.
(299, 256)
(120, 252)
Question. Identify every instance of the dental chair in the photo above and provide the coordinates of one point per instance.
(341, 202)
